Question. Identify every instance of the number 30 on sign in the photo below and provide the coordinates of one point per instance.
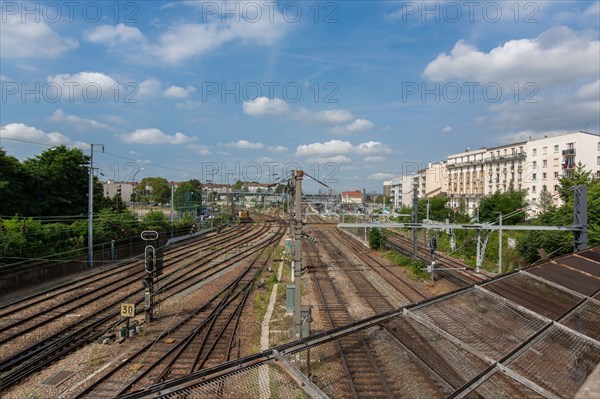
(127, 309)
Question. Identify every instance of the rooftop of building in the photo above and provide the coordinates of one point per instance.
(530, 333)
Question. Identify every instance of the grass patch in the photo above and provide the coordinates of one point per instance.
(415, 267)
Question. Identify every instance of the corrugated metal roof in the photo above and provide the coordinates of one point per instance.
(533, 333)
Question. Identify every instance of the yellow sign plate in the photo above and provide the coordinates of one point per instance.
(127, 309)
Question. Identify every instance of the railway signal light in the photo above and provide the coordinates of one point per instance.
(149, 259)
(433, 243)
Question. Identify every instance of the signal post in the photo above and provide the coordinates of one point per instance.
(153, 265)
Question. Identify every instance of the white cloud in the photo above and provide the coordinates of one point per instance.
(374, 159)
(557, 56)
(265, 106)
(179, 92)
(132, 152)
(182, 41)
(358, 125)
(114, 35)
(24, 38)
(155, 136)
(589, 92)
(277, 148)
(149, 87)
(333, 116)
(245, 145)
(340, 151)
(447, 129)
(93, 86)
(381, 176)
(3, 77)
(200, 149)
(525, 135)
(78, 123)
(21, 131)
(332, 147)
(373, 147)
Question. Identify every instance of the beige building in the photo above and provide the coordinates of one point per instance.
(550, 158)
(528, 165)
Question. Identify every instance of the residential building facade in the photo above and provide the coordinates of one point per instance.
(533, 165)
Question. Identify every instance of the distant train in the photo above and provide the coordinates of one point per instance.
(244, 216)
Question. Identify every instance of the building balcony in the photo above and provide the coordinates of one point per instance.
(507, 157)
(568, 166)
(570, 151)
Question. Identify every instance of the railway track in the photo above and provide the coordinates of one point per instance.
(461, 278)
(361, 368)
(386, 272)
(204, 338)
(23, 363)
(435, 375)
(36, 311)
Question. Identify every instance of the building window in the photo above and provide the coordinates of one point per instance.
(534, 177)
(556, 175)
(534, 164)
(533, 189)
(544, 150)
(534, 153)
(598, 161)
(556, 148)
(544, 176)
(545, 163)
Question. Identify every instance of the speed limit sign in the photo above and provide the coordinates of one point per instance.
(128, 310)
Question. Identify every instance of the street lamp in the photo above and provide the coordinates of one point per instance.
(133, 188)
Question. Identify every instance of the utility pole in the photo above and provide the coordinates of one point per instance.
(580, 238)
(427, 221)
(500, 247)
(171, 215)
(91, 207)
(298, 255)
(415, 220)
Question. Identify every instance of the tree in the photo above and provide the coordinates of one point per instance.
(188, 195)
(17, 187)
(64, 174)
(546, 200)
(238, 185)
(376, 239)
(491, 205)
(558, 243)
(159, 190)
(579, 177)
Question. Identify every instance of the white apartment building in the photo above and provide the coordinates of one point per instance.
(466, 178)
(123, 189)
(550, 158)
(529, 165)
(401, 191)
(430, 182)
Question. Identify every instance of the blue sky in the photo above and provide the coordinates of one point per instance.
(354, 92)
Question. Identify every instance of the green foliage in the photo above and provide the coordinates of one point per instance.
(438, 210)
(579, 177)
(188, 195)
(17, 186)
(558, 243)
(415, 267)
(376, 239)
(154, 189)
(63, 181)
(491, 205)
